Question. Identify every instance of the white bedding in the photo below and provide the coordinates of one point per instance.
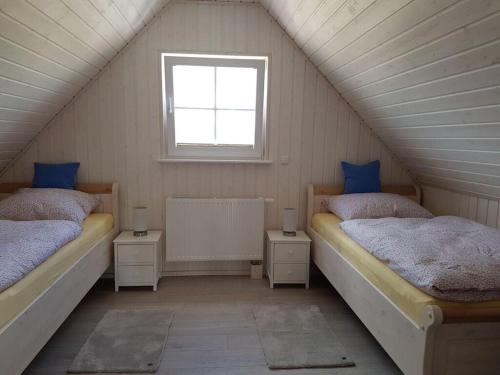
(26, 244)
(448, 257)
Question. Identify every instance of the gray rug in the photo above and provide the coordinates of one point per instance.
(125, 341)
(298, 337)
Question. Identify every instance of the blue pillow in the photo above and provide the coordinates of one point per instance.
(361, 178)
(61, 176)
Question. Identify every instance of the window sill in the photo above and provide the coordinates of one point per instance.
(217, 161)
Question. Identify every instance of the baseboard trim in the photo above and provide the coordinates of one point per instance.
(194, 273)
(207, 273)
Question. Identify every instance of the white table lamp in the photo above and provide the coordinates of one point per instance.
(290, 222)
(140, 221)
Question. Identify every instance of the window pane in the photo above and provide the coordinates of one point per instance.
(194, 86)
(236, 88)
(236, 127)
(194, 126)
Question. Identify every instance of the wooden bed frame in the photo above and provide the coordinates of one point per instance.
(25, 335)
(443, 344)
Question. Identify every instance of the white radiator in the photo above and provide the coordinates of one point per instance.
(214, 229)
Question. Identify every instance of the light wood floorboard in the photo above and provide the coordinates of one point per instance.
(213, 331)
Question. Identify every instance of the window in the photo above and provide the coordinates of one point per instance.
(214, 106)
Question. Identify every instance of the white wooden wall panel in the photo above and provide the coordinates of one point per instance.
(51, 49)
(423, 74)
(444, 202)
(113, 127)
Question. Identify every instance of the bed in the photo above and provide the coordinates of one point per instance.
(423, 335)
(32, 309)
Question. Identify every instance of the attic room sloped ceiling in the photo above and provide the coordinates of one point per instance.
(113, 126)
(424, 75)
(51, 49)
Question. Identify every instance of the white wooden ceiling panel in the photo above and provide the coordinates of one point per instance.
(307, 25)
(459, 43)
(465, 82)
(293, 12)
(370, 18)
(437, 32)
(24, 90)
(11, 146)
(453, 165)
(468, 115)
(19, 102)
(461, 185)
(49, 50)
(471, 156)
(19, 126)
(90, 16)
(30, 77)
(21, 35)
(339, 18)
(401, 20)
(110, 12)
(479, 58)
(10, 114)
(129, 9)
(459, 175)
(6, 155)
(32, 18)
(15, 136)
(479, 144)
(27, 58)
(424, 74)
(70, 21)
(472, 98)
(467, 131)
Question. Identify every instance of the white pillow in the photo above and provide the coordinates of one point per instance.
(48, 204)
(375, 206)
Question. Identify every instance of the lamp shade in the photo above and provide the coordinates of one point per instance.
(140, 221)
(289, 221)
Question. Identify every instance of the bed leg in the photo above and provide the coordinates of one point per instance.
(433, 318)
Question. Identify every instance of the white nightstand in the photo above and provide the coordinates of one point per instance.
(137, 259)
(287, 258)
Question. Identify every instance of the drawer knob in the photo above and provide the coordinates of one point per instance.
(289, 272)
(290, 252)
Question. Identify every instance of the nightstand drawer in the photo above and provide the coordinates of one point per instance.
(136, 254)
(291, 252)
(136, 274)
(290, 272)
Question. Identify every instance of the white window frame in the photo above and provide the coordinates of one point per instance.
(172, 150)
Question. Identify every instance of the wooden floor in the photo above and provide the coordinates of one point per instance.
(213, 332)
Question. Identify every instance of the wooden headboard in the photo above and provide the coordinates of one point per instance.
(106, 192)
(317, 196)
